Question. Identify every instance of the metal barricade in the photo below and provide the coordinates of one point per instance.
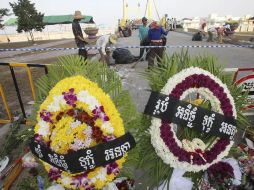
(28, 67)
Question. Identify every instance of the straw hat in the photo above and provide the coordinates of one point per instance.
(78, 15)
(113, 38)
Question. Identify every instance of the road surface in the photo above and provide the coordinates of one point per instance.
(229, 57)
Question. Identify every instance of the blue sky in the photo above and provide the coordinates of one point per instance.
(108, 11)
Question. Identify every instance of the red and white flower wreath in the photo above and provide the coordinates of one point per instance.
(193, 156)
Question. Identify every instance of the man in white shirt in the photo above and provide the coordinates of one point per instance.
(104, 42)
(211, 32)
(227, 27)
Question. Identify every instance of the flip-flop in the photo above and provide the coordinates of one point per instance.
(3, 163)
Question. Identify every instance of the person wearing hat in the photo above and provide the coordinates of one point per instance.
(155, 34)
(77, 32)
(104, 42)
(143, 36)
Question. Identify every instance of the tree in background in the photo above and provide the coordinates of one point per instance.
(28, 17)
(3, 12)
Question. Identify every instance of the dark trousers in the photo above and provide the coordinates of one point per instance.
(155, 53)
(82, 52)
(143, 42)
(210, 36)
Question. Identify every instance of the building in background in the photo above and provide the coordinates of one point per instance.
(245, 22)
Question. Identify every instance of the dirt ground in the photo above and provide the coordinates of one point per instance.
(24, 44)
(22, 77)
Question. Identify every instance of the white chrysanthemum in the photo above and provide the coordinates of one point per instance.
(66, 180)
(87, 142)
(85, 97)
(88, 131)
(107, 126)
(178, 78)
(75, 124)
(44, 128)
(102, 174)
(58, 101)
(156, 140)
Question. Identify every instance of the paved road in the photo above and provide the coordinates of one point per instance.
(230, 57)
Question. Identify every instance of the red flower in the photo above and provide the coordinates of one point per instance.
(97, 134)
(58, 117)
(83, 117)
(71, 112)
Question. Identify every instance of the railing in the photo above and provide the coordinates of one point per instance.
(12, 66)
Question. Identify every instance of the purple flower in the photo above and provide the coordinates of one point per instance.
(70, 97)
(38, 137)
(112, 168)
(221, 172)
(45, 115)
(98, 112)
(54, 174)
(108, 138)
(86, 185)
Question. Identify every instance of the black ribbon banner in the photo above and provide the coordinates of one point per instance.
(186, 114)
(86, 159)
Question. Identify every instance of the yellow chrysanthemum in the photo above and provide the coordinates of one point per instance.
(64, 129)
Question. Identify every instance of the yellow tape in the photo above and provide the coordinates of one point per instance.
(31, 81)
(5, 121)
(29, 73)
(18, 64)
(30, 123)
(5, 103)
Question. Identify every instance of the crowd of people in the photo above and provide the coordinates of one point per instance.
(153, 34)
(103, 41)
(212, 33)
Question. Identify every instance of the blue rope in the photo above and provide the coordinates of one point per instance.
(128, 47)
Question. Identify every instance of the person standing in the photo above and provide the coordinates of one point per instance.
(164, 21)
(168, 24)
(104, 42)
(175, 23)
(120, 30)
(77, 32)
(202, 29)
(172, 24)
(154, 35)
(143, 36)
(220, 32)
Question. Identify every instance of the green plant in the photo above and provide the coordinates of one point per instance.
(28, 17)
(12, 140)
(30, 182)
(3, 12)
(106, 79)
(156, 171)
